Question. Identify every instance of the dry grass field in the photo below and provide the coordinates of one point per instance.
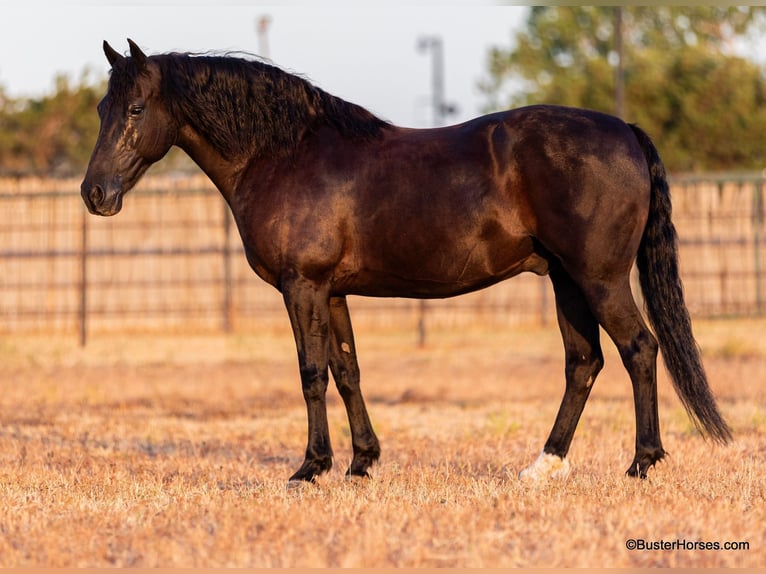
(174, 451)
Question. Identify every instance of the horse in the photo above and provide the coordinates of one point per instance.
(330, 200)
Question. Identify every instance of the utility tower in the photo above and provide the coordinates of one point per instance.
(619, 70)
(441, 110)
(262, 31)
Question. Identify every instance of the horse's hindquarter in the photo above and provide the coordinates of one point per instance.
(587, 184)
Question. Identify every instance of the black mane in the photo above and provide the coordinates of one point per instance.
(241, 105)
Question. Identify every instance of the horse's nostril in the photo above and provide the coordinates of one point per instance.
(97, 194)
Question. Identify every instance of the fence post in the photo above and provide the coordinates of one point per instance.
(758, 216)
(84, 279)
(227, 283)
(421, 323)
(544, 303)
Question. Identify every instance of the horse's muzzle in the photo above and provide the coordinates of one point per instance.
(101, 200)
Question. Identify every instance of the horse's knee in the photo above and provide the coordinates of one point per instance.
(314, 382)
(347, 376)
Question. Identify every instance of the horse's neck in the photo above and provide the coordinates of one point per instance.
(223, 172)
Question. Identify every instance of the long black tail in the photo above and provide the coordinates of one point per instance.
(657, 263)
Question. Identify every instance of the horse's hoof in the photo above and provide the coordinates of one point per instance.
(546, 467)
(635, 471)
(645, 460)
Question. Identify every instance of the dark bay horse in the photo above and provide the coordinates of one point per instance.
(332, 201)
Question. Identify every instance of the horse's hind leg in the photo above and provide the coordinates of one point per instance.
(345, 371)
(613, 304)
(580, 333)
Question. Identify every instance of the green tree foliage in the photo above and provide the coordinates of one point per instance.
(52, 135)
(703, 105)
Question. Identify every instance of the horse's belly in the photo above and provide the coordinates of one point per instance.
(443, 274)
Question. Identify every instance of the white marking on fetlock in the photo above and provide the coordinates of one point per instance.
(546, 466)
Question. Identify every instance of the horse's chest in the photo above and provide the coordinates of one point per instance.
(261, 241)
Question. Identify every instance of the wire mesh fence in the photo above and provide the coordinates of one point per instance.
(172, 260)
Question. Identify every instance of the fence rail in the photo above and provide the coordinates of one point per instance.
(173, 260)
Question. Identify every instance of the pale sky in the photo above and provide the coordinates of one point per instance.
(365, 52)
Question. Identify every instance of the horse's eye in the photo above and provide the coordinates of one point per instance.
(135, 110)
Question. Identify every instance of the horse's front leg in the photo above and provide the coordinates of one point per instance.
(308, 307)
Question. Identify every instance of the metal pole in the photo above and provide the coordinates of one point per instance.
(619, 73)
(440, 108)
(227, 282)
(544, 303)
(437, 50)
(84, 279)
(262, 30)
(758, 219)
(440, 111)
(437, 85)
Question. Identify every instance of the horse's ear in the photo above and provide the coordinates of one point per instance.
(112, 55)
(139, 58)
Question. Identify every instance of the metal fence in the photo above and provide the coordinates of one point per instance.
(172, 260)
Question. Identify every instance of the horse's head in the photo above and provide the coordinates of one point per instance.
(136, 130)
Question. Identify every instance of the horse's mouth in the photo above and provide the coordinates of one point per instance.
(100, 202)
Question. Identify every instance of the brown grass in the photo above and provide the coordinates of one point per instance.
(171, 451)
